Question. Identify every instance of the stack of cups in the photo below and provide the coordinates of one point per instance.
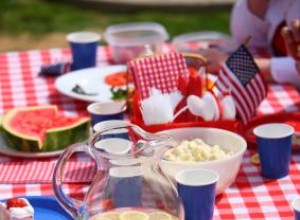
(105, 111)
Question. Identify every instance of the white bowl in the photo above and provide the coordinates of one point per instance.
(226, 168)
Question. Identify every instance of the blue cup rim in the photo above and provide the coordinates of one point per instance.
(126, 172)
(294, 204)
(82, 37)
(114, 122)
(267, 131)
(120, 107)
(117, 146)
(212, 179)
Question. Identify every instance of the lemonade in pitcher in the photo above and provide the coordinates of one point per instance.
(134, 214)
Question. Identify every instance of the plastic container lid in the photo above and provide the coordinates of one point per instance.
(212, 38)
(129, 34)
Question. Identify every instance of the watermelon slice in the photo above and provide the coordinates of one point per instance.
(41, 129)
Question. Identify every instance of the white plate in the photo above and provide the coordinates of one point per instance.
(92, 79)
(11, 152)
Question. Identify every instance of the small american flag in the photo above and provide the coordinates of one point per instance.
(241, 76)
(55, 69)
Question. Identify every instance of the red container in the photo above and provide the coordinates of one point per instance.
(136, 118)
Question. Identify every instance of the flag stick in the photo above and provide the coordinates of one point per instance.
(247, 40)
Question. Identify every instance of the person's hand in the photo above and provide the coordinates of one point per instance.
(214, 58)
(292, 41)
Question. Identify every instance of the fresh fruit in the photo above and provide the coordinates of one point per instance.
(41, 128)
(1, 119)
(160, 216)
(15, 202)
(134, 215)
(107, 216)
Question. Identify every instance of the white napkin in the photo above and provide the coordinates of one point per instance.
(159, 107)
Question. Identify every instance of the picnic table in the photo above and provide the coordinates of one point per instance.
(250, 197)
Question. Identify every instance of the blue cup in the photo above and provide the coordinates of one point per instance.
(197, 190)
(126, 186)
(105, 111)
(114, 133)
(296, 208)
(274, 141)
(84, 49)
(117, 146)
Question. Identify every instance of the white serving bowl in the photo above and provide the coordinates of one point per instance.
(226, 168)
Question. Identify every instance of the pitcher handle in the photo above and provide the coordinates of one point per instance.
(74, 208)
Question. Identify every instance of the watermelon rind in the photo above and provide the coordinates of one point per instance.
(1, 119)
(55, 139)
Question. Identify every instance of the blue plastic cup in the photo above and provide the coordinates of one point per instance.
(274, 141)
(118, 146)
(126, 186)
(105, 111)
(197, 190)
(296, 207)
(114, 133)
(84, 49)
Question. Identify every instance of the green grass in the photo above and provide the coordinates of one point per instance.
(38, 18)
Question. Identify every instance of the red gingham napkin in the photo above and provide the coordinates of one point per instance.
(26, 171)
(160, 71)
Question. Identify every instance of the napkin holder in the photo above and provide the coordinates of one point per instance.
(193, 62)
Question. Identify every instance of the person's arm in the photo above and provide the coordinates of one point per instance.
(285, 69)
(264, 65)
(280, 70)
(292, 40)
(247, 19)
(258, 7)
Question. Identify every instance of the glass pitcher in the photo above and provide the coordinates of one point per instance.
(128, 184)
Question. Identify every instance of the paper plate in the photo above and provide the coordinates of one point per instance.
(46, 207)
(15, 153)
(292, 119)
(92, 80)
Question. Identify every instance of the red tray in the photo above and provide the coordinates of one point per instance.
(292, 119)
(136, 118)
(231, 125)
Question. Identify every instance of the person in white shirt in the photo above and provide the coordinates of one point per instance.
(263, 21)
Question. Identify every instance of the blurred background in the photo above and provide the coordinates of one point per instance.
(41, 24)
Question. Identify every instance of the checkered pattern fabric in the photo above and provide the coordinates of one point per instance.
(160, 71)
(250, 197)
(42, 171)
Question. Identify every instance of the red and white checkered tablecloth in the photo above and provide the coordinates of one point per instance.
(250, 197)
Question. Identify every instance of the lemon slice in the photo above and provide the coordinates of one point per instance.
(107, 216)
(134, 215)
(99, 218)
(255, 159)
(160, 216)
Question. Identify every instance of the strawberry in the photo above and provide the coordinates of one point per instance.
(15, 202)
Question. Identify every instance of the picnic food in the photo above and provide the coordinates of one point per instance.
(118, 79)
(16, 209)
(132, 214)
(195, 150)
(41, 128)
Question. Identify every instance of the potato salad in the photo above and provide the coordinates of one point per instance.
(194, 151)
